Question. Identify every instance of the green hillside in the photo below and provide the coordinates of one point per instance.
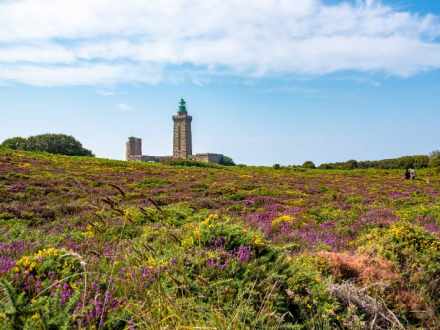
(98, 244)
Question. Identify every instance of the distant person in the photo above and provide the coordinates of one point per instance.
(407, 174)
(412, 174)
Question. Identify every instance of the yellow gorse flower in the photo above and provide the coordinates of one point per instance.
(258, 240)
(210, 220)
(153, 262)
(281, 219)
(89, 233)
(29, 263)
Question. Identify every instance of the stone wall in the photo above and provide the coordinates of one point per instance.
(156, 159)
(208, 158)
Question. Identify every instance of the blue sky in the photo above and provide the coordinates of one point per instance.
(271, 81)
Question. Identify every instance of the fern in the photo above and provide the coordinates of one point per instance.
(55, 315)
(8, 298)
(46, 311)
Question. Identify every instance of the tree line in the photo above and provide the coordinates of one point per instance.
(405, 162)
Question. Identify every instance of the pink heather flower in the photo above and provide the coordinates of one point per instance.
(6, 264)
(244, 254)
(432, 228)
(66, 293)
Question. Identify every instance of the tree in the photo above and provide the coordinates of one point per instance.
(52, 143)
(277, 166)
(227, 161)
(417, 161)
(327, 166)
(351, 164)
(309, 164)
(16, 143)
(434, 159)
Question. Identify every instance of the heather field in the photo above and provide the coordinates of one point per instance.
(98, 244)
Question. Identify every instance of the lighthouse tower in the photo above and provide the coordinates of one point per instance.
(182, 140)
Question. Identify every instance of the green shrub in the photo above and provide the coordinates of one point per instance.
(227, 161)
(309, 164)
(415, 251)
(52, 143)
(434, 159)
(307, 289)
(16, 143)
(40, 293)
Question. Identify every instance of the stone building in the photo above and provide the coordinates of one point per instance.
(182, 140)
(133, 149)
(182, 143)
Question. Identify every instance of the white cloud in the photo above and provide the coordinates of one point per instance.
(105, 92)
(94, 42)
(125, 107)
(92, 74)
(39, 53)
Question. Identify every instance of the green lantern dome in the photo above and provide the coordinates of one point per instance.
(182, 106)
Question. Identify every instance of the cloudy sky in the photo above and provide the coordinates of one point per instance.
(266, 80)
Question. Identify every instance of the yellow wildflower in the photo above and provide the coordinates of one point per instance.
(197, 233)
(280, 220)
(49, 252)
(188, 242)
(258, 241)
(89, 233)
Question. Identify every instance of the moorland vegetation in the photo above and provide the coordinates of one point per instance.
(98, 244)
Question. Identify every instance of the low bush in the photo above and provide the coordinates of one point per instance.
(434, 159)
(416, 254)
(309, 164)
